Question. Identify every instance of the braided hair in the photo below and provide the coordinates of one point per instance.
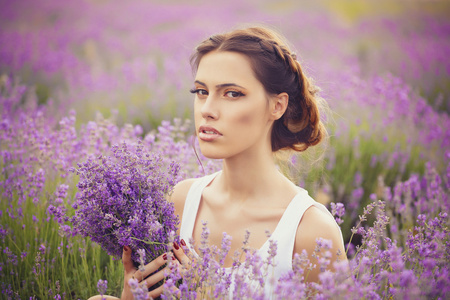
(278, 69)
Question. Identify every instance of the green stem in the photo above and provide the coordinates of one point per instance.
(12, 241)
(351, 238)
(148, 242)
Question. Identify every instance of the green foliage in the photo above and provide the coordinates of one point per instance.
(49, 263)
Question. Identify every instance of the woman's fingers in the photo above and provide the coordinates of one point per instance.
(156, 292)
(126, 260)
(179, 252)
(157, 277)
(151, 267)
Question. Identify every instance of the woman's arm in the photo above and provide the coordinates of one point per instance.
(317, 224)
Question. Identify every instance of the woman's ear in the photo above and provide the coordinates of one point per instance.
(279, 105)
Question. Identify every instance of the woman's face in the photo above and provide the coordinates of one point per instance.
(231, 106)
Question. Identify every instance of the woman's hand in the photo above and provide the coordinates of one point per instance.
(131, 272)
(141, 276)
(180, 254)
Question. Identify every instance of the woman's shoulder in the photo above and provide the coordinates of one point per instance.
(317, 223)
(181, 190)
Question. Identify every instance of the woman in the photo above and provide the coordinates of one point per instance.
(251, 100)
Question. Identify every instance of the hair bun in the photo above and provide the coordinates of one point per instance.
(296, 127)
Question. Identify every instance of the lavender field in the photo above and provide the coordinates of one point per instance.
(79, 77)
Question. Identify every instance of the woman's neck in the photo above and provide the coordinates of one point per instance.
(251, 176)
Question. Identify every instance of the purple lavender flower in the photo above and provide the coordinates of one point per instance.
(37, 148)
(102, 285)
(139, 291)
(141, 253)
(338, 210)
(122, 201)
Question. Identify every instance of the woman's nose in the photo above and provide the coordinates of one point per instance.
(209, 109)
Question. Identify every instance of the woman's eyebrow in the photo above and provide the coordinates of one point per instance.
(221, 85)
(199, 82)
(228, 84)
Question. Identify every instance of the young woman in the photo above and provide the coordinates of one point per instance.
(251, 100)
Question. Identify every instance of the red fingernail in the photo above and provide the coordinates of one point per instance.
(173, 258)
(175, 245)
(183, 242)
(165, 256)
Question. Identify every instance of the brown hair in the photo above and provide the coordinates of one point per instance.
(277, 68)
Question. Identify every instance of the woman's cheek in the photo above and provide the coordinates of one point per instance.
(247, 118)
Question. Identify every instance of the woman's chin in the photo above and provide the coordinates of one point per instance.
(212, 152)
(212, 155)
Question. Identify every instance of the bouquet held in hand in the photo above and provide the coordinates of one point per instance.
(122, 201)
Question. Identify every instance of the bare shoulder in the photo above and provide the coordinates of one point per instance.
(179, 193)
(317, 224)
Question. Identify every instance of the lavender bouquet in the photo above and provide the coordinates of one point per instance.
(122, 201)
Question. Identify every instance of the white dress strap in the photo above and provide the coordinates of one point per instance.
(285, 235)
(285, 232)
(191, 205)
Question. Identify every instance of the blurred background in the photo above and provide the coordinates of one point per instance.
(133, 55)
(77, 77)
(382, 66)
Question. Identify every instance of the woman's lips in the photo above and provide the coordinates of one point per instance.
(208, 133)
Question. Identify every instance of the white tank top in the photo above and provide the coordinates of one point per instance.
(284, 233)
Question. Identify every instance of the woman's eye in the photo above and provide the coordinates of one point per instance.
(234, 94)
(200, 92)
